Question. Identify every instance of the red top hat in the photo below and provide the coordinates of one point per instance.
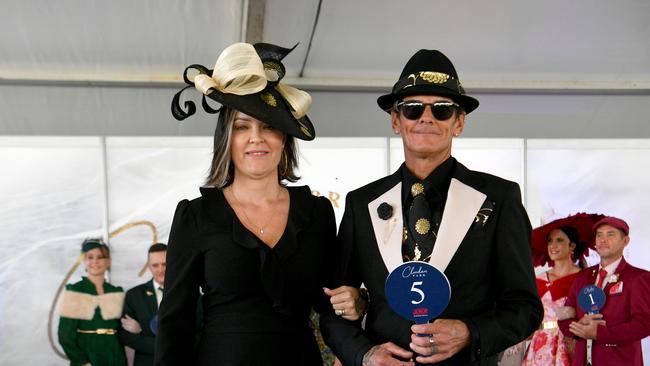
(582, 223)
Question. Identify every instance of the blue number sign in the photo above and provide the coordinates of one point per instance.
(591, 299)
(417, 291)
(153, 324)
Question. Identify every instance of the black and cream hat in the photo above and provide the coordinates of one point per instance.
(248, 78)
(428, 72)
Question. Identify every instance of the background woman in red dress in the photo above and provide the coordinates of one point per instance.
(562, 244)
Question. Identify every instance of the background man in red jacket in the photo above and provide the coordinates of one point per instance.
(625, 319)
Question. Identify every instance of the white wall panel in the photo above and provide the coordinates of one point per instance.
(334, 166)
(147, 177)
(600, 176)
(52, 197)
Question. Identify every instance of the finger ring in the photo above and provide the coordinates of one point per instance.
(339, 312)
(342, 311)
(433, 350)
(431, 342)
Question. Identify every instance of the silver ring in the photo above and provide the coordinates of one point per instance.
(433, 350)
(340, 312)
(431, 341)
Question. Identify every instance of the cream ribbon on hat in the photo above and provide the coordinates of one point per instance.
(239, 70)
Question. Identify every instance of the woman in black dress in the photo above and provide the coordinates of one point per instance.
(259, 251)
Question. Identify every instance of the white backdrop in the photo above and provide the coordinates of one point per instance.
(51, 191)
(58, 190)
(146, 179)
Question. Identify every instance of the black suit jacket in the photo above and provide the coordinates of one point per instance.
(140, 304)
(482, 247)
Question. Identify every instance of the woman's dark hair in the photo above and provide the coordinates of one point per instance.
(222, 170)
(573, 236)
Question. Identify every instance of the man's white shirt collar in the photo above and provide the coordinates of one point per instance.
(157, 291)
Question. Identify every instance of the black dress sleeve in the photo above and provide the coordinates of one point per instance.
(175, 340)
(326, 222)
(346, 338)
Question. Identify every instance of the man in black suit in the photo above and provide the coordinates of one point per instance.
(470, 225)
(141, 306)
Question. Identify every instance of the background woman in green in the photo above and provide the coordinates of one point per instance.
(91, 311)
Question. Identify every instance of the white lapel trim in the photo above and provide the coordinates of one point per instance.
(463, 202)
(388, 233)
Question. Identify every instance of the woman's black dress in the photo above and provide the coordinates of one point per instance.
(256, 299)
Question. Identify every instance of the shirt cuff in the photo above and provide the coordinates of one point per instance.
(474, 340)
(359, 358)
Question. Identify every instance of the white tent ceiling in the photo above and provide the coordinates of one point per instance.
(549, 69)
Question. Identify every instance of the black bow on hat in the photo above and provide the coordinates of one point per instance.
(428, 72)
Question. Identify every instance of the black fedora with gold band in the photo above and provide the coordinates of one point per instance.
(428, 72)
(248, 78)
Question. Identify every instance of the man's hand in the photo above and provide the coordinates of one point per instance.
(130, 325)
(385, 355)
(442, 339)
(587, 327)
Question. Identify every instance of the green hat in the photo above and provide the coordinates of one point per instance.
(90, 244)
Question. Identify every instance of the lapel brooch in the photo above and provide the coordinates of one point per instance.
(484, 213)
(613, 278)
(149, 293)
(385, 211)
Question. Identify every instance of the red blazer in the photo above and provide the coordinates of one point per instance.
(626, 311)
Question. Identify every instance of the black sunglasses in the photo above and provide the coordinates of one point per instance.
(442, 111)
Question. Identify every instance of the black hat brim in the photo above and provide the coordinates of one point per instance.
(387, 101)
(269, 107)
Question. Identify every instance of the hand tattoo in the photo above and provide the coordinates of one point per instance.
(367, 358)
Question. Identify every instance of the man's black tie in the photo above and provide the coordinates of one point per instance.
(420, 232)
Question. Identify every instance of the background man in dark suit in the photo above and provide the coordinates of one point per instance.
(141, 306)
(470, 225)
(625, 319)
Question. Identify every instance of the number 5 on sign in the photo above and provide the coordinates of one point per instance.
(417, 291)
